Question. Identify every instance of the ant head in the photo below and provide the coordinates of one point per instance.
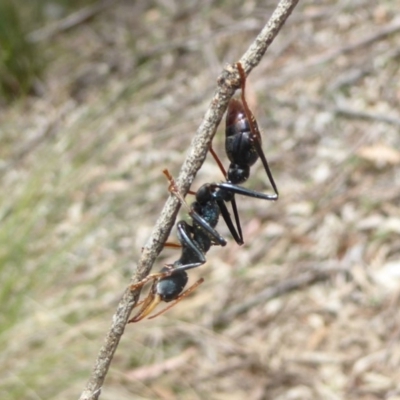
(169, 288)
(238, 174)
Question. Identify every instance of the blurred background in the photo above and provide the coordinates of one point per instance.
(96, 98)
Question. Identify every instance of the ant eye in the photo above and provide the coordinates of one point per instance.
(203, 195)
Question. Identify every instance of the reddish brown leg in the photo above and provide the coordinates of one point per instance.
(155, 276)
(253, 127)
(180, 297)
(173, 245)
(173, 188)
(218, 161)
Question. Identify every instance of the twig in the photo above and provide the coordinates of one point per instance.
(228, 82)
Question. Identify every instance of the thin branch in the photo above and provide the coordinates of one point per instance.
(228, 82)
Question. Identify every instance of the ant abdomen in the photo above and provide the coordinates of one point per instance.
(239, 145)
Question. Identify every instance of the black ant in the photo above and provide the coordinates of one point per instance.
(243, 148)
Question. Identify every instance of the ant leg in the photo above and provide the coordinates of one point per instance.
(139, 303)
(165, 292)
(264, 161)
(230, 187)
(153, 298)
(249, 115)
(217, 238)
(192, 255)
(237, 220)
(172, 245)
(173, 188)
(218, 161)
(236, 232)
(148, 304)
(180, 297)
(152, 277)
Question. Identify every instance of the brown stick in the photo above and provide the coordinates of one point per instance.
(228, 82)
